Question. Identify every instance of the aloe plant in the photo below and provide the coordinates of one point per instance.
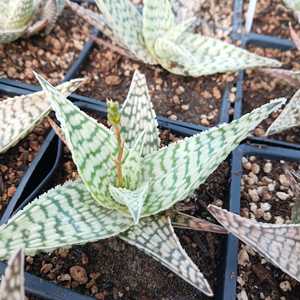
(20, 18)
(289, 117)
(19, 115)
(127, 185)
(12, 283)
(295, 6)
(279, 244)
(154, 37)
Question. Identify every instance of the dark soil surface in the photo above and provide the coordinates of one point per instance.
(50, 55)
(111, 269)
(195, 100)
(260, 89)
(267, 197)
(14, 162)
(272, 17)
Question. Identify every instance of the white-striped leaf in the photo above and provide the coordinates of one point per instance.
(158, 19)
(280, 244)
(289, 117)
(174, 172)
(15, 17)
(127, 23)
(195, 55)
(64, 216)
(155, 236)
(133, 199)
(19, 115)
(12, 283)
(93, 146)
(138, 116)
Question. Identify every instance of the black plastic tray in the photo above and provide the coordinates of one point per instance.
(263, 41)
(34, 285)
(267, 152)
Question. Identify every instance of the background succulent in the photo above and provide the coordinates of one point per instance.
(27, 17)
(155, 37)
(19, 115)
(279, 244)
(12, 283)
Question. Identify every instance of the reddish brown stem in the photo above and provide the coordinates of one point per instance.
(119, 159)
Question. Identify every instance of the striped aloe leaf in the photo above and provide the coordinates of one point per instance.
(12, 283)
(26, 17)
(19, 115)
(156, 237)
(138, 116)
(289, 117)
(295, 6)
(280, 244)
(64, 216)
(155, 37)
(96, 207)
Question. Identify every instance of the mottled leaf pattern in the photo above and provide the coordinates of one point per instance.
(19, 115)
(295, 6)
(134, 200)
(177, 170)
(289, 77)
(156, 237)
(294, 179)
(12, 283)
(66, 215)
(15, 17)
(158, 19)
(184, 10)
(121, 12)
(138, 116)
(289, 117)
(26, 17)
(184, 221)
(92, 145)
(294, 36)
(280, 244)
(196, 55)
(51, 11)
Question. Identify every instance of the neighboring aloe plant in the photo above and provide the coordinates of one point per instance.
(19, 115)
(289, 117)
(126, 182)
(27, 17)
(295, 6)
(279, 244)
(12, 283)
(154, 37)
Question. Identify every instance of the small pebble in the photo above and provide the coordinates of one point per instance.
(265, 206)
(243, 258)
(268, 167)
(253, 195)
(242, 295)
(282, 195)
(79, 274)
(267, 216)
(284, 180)
(285, 286)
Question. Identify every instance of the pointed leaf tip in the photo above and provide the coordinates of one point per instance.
(156, 237)
(289, 117)
(134, 200)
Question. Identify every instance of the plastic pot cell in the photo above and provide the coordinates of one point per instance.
(258, 185)
(46, 290)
